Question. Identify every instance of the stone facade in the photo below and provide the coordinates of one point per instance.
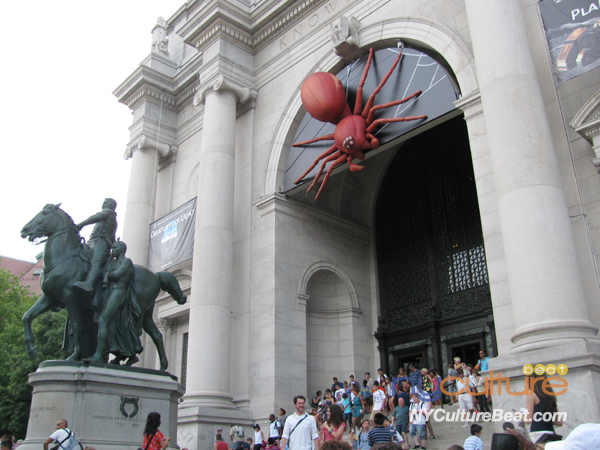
(284, 290)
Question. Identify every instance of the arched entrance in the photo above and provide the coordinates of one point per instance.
(434, 291)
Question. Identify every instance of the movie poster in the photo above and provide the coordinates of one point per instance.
(573, 34)
(172, 238)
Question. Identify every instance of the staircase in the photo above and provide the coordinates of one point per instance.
(450, 433)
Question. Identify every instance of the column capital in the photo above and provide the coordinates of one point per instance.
(242, 91)
(143, 141)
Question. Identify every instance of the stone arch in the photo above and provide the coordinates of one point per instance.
(303, 288)
(332, 317)
(427, 33)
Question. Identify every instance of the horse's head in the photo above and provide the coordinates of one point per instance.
(50, 219)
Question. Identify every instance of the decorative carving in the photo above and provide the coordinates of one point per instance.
(134, 401)
(242, 92)
(466, 301)
(147, 142)
(345, 35)
(160, 40)
(405, 317)
(165, 324)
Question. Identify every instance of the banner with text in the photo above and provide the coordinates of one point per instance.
(573, 34)
(172, 238)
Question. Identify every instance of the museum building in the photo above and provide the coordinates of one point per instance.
(473, 225)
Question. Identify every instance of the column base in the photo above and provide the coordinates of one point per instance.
(550, 334)
(582, 358)
(203, 399)
(197, 426)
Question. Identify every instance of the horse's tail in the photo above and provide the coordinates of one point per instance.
(169, 283)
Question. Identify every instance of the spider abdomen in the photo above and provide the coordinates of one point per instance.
(324, 97)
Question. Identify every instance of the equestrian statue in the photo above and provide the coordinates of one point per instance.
(109, 299)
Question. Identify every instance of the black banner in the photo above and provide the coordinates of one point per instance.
(573, 34)
(172, 238)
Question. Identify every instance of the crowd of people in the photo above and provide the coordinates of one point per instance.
(380, 414)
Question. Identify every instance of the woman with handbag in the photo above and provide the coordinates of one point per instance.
(153, 438)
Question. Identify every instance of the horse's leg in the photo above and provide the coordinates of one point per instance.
(150, 327)
(74, 311)
(42, 305)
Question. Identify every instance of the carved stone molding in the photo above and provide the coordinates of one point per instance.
(587, 123)
(149, 143)
(405, 317)
(345, 34)
(147, 92)
(474, 300)
(220, 82)
(166, 324)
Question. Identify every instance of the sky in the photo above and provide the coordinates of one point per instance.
(62, 131)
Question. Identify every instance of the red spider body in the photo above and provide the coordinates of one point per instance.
(351, 135)
(324, 97)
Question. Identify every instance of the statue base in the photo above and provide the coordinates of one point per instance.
(106, 405)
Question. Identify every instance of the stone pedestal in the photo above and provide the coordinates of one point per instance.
(106, 405)
(583, 377)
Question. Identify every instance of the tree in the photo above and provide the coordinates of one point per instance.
(15, 364)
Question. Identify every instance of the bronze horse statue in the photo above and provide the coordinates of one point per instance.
(65, 264)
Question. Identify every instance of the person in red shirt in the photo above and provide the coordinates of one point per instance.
(153, 438)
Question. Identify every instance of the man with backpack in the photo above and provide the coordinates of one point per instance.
(64, 438)
(237, 436)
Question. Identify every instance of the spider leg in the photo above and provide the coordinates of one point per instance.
(336, 155)
(373, 144)
(381, 84)
(331, 167)
(327, 152)
(374, 125)
(325, 137)
(371, 115)
(354, 167)
(358, 103)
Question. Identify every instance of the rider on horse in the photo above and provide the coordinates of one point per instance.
(101, 241)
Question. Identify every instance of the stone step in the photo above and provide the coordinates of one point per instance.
(448, 433)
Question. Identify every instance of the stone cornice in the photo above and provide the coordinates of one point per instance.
(285, 205)
(587, 120)
(145, 81)
(248, 29)
(470, 104)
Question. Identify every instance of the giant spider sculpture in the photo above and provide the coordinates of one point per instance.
(324, 98)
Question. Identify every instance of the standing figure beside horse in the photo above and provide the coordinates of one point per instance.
(66, 264)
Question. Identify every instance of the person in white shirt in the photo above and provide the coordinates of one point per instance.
(418, 420)
(378, 398)
(63, 436)
(300, 429)
(465, 400)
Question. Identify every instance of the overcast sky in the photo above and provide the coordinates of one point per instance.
(63, 133)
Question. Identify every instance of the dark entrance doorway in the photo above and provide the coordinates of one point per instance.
(433, 281)
(468, 353)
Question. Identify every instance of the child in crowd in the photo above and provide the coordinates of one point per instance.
(474, 441)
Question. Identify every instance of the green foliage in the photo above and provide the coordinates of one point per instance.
(15, 364)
